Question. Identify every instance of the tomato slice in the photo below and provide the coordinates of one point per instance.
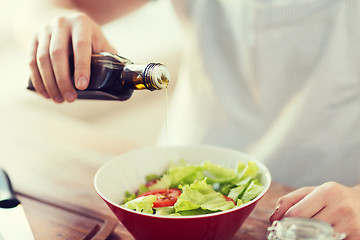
(229, 199)
(164, 197)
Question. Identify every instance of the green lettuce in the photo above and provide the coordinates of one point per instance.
(200, 195)
(203, 188)
(218, 174)
(142, 204)
(252, 191)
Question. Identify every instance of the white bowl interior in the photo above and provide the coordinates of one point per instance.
(127, 171)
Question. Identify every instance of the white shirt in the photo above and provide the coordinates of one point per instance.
(279, 80)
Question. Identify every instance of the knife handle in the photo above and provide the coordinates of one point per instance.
(7, 195)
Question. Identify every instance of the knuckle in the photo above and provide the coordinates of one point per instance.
(330, 184)
(55, 94)
(32, 62)
(331, 189)
(282, 200)
(82, 42)
(42, 58)
(80, 17)
(346, 210)
(59, 21)
(63, 85)
(57, 53)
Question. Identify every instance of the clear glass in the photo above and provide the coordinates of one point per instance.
(303, 229)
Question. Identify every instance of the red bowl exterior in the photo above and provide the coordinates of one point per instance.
(220, 226)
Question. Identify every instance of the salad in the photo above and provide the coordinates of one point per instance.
(185, 189)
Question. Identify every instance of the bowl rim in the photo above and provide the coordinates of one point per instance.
(261, 165)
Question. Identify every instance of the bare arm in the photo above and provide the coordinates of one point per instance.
(35, 13)
(54, 29)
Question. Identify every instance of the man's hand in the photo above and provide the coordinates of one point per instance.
(71, 27)
(49, 50)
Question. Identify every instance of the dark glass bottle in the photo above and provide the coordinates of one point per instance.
(115, 78)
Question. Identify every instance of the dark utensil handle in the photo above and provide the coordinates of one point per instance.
(6, 190)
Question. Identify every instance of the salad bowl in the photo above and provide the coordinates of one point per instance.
(127, 172)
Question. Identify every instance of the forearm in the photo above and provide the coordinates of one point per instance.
(35, 13)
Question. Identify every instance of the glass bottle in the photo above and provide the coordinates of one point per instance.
(302, 229)
(115, 78)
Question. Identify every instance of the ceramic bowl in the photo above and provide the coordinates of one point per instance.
(127, 171)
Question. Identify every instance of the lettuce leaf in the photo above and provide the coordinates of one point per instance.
(164, 211)
(185, 174)
(201, 195)
(218, 174)
(252, 191)
(249, 170)
(129, 196)
(163, 183)
(198, 211)
(142, 204)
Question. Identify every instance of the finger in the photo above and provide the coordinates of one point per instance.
(45, 69)
(287, 201)
(308, 206)
(81, 42)
(59, 53)
(327, 215)
(35, 76)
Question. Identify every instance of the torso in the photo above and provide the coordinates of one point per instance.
(279, 81)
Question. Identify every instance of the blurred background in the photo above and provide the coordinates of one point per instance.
(151, 34)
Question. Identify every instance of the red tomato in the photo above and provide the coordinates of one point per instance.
(152, 182)
(165, 197)
(229, 199)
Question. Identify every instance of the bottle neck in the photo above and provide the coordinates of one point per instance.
(154, 76)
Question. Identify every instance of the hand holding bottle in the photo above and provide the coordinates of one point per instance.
(49, 51)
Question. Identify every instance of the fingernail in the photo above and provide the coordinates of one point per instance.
(69, 97)
(81, 83)
(58, 99)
